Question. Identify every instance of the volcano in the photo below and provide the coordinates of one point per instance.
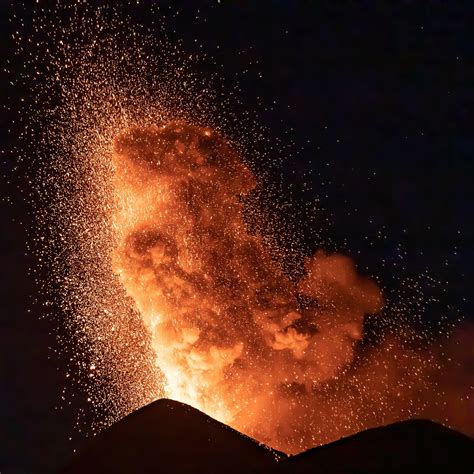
(171, 437)
(413, 446)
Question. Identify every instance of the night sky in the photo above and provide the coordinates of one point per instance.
(374, 104)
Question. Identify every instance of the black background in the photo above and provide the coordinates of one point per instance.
(376, 96)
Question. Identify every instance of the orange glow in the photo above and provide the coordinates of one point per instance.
(230, 334)
(163, 287)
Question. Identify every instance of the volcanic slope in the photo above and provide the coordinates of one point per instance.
(171, 437)
(413, 446)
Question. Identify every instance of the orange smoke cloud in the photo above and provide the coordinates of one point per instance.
(232, 334)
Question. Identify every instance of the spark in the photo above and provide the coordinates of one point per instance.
(173, 279)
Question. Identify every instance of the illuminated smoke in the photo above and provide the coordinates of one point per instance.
(232, 334)
(220, 312)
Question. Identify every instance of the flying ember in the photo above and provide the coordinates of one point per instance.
(142, 184)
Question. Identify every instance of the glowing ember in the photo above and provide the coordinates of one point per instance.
(140, 223)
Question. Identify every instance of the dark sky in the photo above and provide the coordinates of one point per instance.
(376, 98)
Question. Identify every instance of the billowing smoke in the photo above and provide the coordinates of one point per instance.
(233, 335)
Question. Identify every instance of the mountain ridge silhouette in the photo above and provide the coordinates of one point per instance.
(167, 436)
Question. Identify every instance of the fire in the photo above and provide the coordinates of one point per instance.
(232, 334)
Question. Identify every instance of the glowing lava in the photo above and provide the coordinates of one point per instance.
(233, 335)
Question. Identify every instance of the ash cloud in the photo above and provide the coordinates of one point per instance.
(228, 328)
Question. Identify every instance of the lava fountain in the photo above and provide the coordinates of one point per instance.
(232, 334)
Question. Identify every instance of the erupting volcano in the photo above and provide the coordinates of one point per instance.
(164, 223)
(237, 238)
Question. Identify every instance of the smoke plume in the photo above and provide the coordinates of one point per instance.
(233, 335)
